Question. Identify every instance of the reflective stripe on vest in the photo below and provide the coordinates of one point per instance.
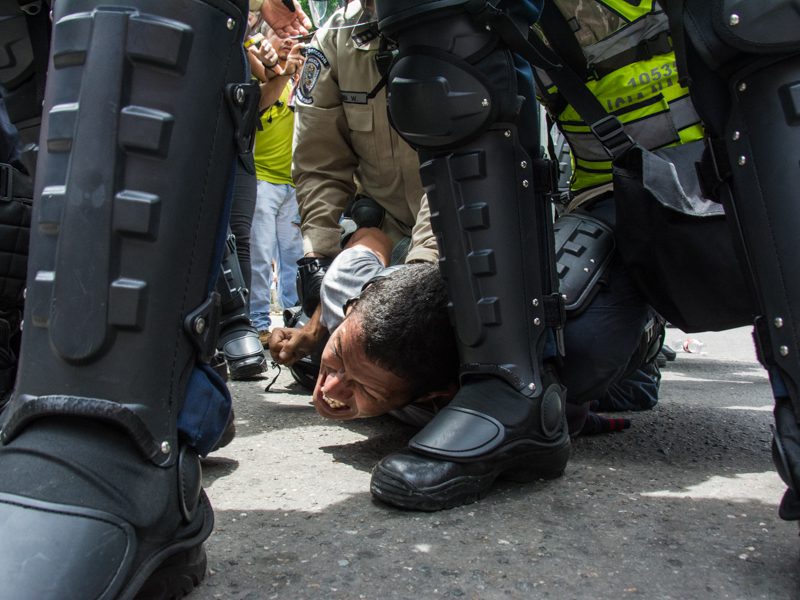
(645, 95)
(652, 131)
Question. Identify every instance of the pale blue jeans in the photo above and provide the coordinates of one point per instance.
(275, 236)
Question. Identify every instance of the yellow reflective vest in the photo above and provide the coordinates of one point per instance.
(632, 72)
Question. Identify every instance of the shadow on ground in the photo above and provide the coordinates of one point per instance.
(682, 505)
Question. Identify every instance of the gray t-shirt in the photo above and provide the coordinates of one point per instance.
(346, 276)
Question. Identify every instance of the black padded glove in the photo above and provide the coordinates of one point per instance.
(362, 211)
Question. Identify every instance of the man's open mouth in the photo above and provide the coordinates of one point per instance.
(330, 407)
(334, 404)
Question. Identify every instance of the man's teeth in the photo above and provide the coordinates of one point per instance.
(333, 403)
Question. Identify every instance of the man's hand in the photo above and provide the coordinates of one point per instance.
(287, 345)
(295, 61)
(267, 56)
(285, 22)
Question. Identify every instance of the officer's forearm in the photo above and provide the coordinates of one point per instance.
(372, 239)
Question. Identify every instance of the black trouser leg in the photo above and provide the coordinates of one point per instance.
(244, 203)
(238, 339)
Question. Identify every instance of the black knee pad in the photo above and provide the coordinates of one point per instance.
(451, 80)
(584, 248)
(459, 92)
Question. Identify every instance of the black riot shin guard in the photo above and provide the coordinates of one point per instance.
(238, 339)
(751, 50)
(453, 95)
(100, 485)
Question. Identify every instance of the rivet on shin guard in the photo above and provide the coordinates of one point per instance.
(778, 322)
(199, 325)
(784, 350)
(734, 20)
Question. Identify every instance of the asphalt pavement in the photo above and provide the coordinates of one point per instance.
(683, 505)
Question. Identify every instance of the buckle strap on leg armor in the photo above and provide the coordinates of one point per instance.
(14, 184)
(231, 287)
(202, 327)
(243, 99)
(30, 408)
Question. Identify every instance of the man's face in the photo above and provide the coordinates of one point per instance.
(282, 45)
(349, 385)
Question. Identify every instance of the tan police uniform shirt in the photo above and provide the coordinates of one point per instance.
(343, 143)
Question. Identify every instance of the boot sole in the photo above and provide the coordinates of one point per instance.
(468, 488)
(175, 570)
(247, 369)
(176, 577)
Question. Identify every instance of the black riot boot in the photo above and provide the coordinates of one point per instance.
(496, 254)
(238, 339)
(743, 59)
(100, 481)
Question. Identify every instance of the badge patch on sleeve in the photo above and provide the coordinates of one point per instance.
(315, 62)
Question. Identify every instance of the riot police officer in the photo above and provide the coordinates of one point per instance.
(465, 59)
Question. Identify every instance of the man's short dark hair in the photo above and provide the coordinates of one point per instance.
(405, 328)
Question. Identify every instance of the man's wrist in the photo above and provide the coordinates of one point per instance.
(314, 330)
